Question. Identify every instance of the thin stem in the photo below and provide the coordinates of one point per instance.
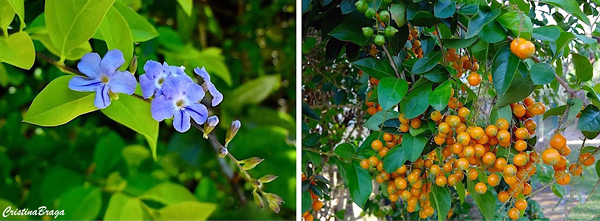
(392, 62)
(59, 64)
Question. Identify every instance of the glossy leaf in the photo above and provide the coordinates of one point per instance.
(359, 183)
(71, 23)
(7, 14)
(17, 50)
(413, 146)
(351, 33)
(486, 202)
(187, 6)
(141, 29)
(345, 150)
(427, 63)
(493, 32)
(375, 121)
(416, 101)
(72, 201)
(440, 96)
(583, 67)
(517, 23)
(377, 68)
(115, 32)
(398, 13)
(391, 91)
(252, 92)
(441, 200)
(186, 211)
(547, 33)
(478, 21)
(123, 207)
(460, 43)
(444, 8)
(134, 113)
(520, 87)
(394, 159)
(504, 66)
(168, 193)
(56, 104)
(541, 73)
(74, 54)
(589, 119)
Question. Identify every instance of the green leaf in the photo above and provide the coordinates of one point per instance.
(563, 40)
(486, 202)
(116, 34)
(187, 6)
(413, 146)
(478, 21)
(504, 66)
(17, 50)
(135, 114)
(522, 5)
(398, 13)
(378, 118)
(598, 168)
(351, 33)
(375, 67)
(74, 54)
(416, 101)
(469, 9)
(427, 63)
(123, 207)
(583, 67)
(7, 14)
(589, 119)
(571, 7)
(214, 62)
(492, 33)
(541, 73)
(438, 74)
(72, 202)
(306, 201)
(252, 92)
(546, 33)
(168, 194)
(440, 96)
(440, 200)
(460, 190)
(555, 111)
(19, 7)
(512, 21)
(56, 104)
(502, 112)
(444, 8)
(359, 183)
(394, 159)
(391, 91)
(141, 29)
(186, 211)
(71, 23)
(520, 87)
(459, 43)
(105, 152)
(345, 150)
(574, 109)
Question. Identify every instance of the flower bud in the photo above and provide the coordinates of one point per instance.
(267, 178)
(258, 199)
(235, 126)
(251, 162)
(274, 201)
(133, 65)
(210, 124)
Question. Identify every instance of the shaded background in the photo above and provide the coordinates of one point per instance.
(255, 42)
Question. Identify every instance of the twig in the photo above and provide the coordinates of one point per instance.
(59, 65)
(392, 62)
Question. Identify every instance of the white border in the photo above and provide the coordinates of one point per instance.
(298, 109)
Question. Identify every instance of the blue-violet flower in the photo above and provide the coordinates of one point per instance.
(209, 86)
(103, 77)
(179, 98)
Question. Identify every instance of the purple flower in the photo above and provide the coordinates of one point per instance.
(103, 77)
(151, 82)
(209, 86)
(179, 98)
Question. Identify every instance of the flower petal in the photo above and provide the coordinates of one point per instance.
(90, 65)
(112, 61)
(122, 82)
(162, 108)
(148, 86)
(78, 83)
(217, 96)
(193, 92)
(102, 99)
(198, 112)
(181, 121)
(153, 69)
(203, 74)
(169, 87)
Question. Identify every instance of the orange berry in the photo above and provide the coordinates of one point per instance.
(522, 48)
(317, 205)
(436, 116)
(520, 145)
(562, 177)
(376, 145)
(462, 164)
(463, 138)
(488, 158)
(521, 133)
(388, 136)
(519, 110)
(452, 103)
(415, 123)
(364, 163)
(464, 112)
(502, 124)
(500, 164)
(510, 170)
(441, 180)
(383, 152)
(558, 141)
(373, 161)
(493, 179)
(503, 136)
(514, 213)
(503, 196)
(587, 159)
(491, 130)
(480, 188)
(474, 79)
(520, 160)
(550, 156)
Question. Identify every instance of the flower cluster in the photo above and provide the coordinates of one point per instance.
(174, 94)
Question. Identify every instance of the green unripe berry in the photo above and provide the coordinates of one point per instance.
(390, 31)
(367, 32)
(384, 16)
(370, 13)
(361, 6)
(379, 40)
